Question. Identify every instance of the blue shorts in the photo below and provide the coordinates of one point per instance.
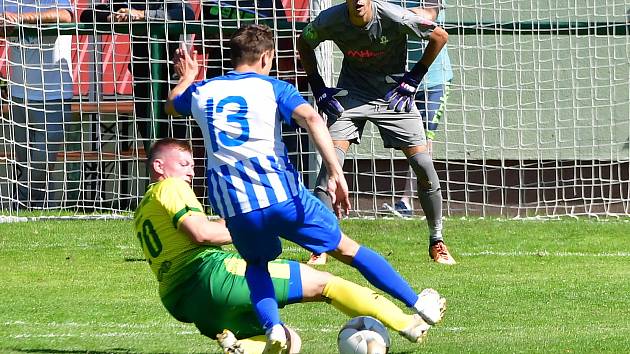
(302, 219)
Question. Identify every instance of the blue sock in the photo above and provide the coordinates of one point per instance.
(262, 294)
(382, 275)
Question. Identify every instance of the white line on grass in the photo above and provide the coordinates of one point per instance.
(543, 254)
(96, 335)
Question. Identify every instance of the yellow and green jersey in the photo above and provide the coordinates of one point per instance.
(172, 255)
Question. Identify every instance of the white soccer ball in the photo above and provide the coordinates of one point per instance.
(363, 335)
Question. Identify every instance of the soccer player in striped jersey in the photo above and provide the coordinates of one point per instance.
(253, 185)
(202, 284)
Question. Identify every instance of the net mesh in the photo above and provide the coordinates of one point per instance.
(536, 122)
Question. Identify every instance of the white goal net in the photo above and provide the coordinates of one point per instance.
(537, 121)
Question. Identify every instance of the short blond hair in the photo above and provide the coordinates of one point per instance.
(160, 146)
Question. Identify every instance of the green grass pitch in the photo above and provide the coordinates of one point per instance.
(520, 286)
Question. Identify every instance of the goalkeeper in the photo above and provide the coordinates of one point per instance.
(202, 284)
(373, 35)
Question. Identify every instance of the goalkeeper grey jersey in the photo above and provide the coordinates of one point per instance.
(372, 52)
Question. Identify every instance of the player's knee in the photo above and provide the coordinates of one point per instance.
(422, 166)
(424, 184)
(313, 283)
(346, 249)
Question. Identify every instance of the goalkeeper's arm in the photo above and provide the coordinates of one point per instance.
(437, 41)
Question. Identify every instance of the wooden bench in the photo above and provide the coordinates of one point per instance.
(121, 107)
(90, 156)
(94, 156)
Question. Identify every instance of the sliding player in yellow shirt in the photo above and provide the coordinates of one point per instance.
(202, 284)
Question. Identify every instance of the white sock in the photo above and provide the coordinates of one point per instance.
(276, 333)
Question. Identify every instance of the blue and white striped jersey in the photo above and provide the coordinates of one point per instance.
(240, 116)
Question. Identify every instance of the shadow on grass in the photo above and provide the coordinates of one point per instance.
(69, 351)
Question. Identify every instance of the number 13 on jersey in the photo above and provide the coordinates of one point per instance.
(233, 116)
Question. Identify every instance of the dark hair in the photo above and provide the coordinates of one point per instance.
(248, 43)
(161, 145)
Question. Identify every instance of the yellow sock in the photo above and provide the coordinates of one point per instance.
(253, 345)
(355, 300)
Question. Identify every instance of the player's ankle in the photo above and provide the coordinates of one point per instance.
(276, 333)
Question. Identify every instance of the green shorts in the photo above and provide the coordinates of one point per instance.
(216, 297)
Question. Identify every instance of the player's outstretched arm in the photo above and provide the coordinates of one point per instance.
(186, 67)
(202, 231)
(306, 117)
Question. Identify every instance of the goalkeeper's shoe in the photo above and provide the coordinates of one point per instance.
(228, 342)
(430, 306)
(439, 253)
(416, 331)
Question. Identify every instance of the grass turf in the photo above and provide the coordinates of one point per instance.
(519, 286)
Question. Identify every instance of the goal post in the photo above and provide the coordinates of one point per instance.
(537, 123)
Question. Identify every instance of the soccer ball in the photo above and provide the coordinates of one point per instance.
(363, 335)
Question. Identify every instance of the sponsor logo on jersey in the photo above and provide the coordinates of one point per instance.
(364, 54)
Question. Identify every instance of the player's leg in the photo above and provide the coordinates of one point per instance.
(318, 231)
(258, 245)
(430, 196)
(43, 133)
(255, 345)
(380, 273)
(405, 132)
(216, 298)
(234, 291)
(321, 191)
(433, 109)
(344, 131)
(20, 130)
(355, 300)
(405, 205)
(321, 184)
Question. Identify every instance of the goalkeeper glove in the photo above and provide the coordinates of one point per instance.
(403, 95)
(325, 96)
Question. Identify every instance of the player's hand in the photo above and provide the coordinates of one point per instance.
(326, 101)
(430, 147)
(402, 96)
(338, 191)
(126, 15)
(185, 64)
